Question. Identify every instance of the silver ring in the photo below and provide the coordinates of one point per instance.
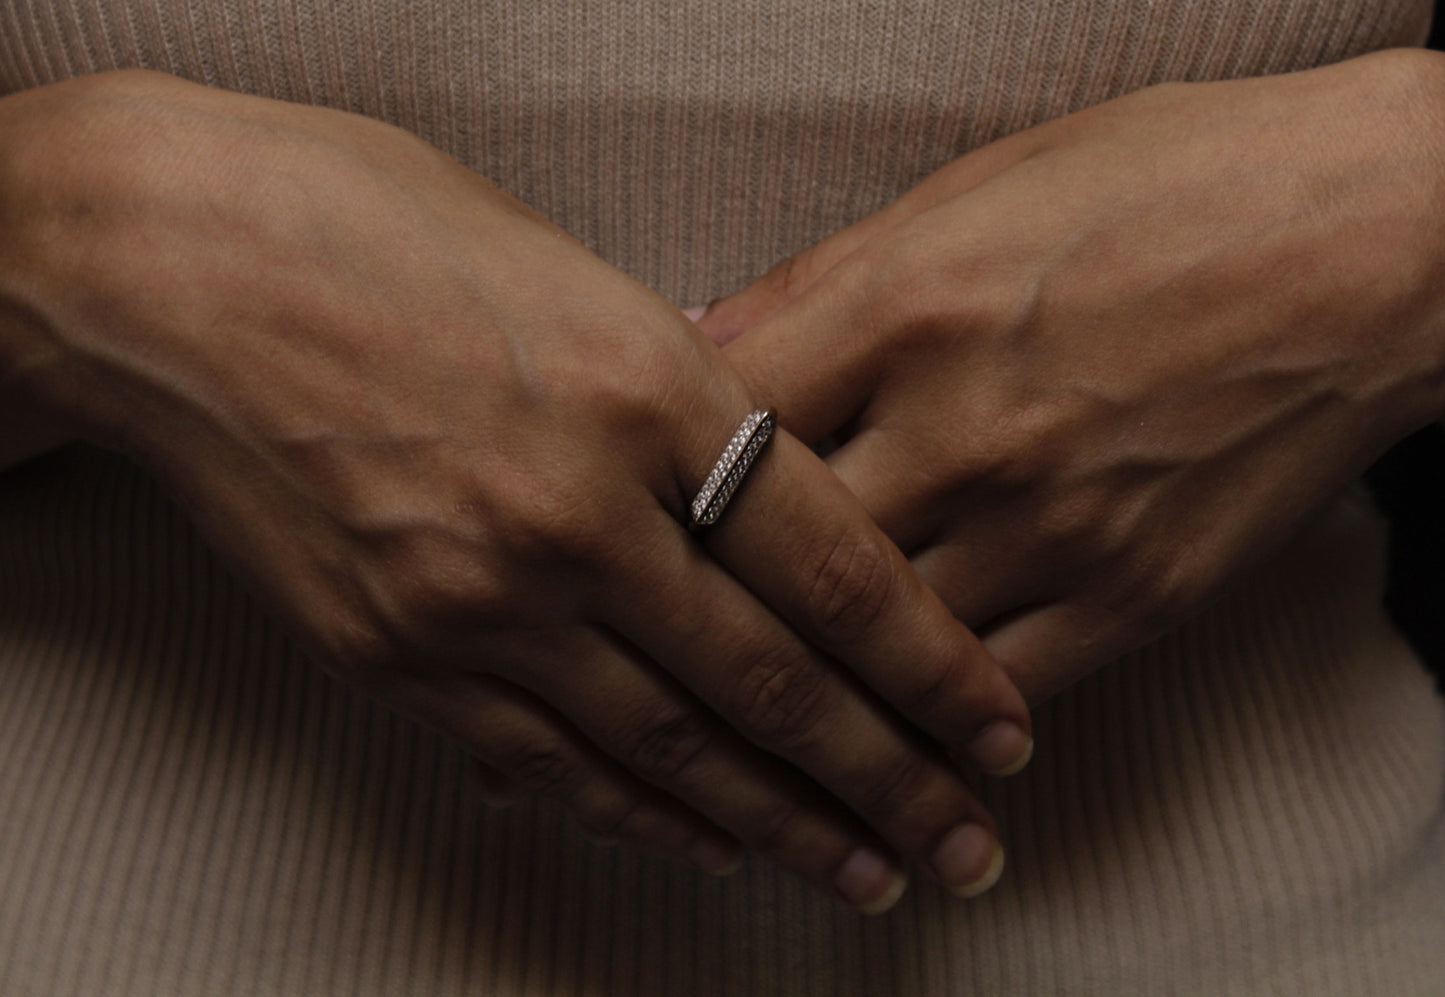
(736, 460)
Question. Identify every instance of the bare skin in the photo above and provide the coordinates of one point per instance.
(1086, 374)
(451, 450)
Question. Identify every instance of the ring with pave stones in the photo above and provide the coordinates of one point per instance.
(728, 473)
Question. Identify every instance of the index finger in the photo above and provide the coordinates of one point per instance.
(799, 540)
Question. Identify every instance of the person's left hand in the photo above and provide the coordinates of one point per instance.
(1086, 373)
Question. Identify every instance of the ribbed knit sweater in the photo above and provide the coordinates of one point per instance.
(1250, 805)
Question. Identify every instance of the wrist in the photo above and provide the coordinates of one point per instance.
(1414, 80)
(30, 363)
(1390, 106)
(58, 168)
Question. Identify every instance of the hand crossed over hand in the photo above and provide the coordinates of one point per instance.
(1082, 375)
(453, 451)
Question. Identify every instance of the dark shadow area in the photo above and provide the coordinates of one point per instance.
(1409, 486)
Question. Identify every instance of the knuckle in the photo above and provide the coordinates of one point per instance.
(773, 831)
(1008, 449)
(538, 766)
(789, 277)
(615, 818)
(427, 591)
(1165, 587)
(1065, 528)
(913, 279)
(939, 686)
(912, 284)
(894, 787)
(444, 587)
(853, 583)
(665, 749)
(628, 374)
(555, 526)
(361, 654)
(554, 520)
(784, 696)
(1107, 520)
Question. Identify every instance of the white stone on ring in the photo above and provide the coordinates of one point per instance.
(737, 458)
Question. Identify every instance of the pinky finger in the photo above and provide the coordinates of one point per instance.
(523, 748)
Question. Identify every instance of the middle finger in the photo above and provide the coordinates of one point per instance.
(790, 699)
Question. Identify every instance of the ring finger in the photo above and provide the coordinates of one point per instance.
(660, 733)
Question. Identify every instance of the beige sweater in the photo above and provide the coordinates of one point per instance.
(1252, 805)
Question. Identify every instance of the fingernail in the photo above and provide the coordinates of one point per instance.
(1002, 748)
(870, 882)
(695, 313)
(715, 856)
(968, 860)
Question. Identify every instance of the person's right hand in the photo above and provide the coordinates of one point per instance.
(452, 450)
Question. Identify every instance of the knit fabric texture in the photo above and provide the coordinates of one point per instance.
(1250, 805)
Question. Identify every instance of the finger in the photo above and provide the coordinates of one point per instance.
(894, 475)
(967, 547)
(1049, 648)
(787, 698)
(798, 539)
(979, 584)
(661, 733)
(517, 736)
(820, 359)
(725, 319)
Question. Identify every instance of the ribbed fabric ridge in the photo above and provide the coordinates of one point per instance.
(1250, 805)
(1243, 807)
(694, 143)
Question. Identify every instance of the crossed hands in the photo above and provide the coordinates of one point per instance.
(1078, 378)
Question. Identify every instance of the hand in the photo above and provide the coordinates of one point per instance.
(1086, 373)
(452, 449)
